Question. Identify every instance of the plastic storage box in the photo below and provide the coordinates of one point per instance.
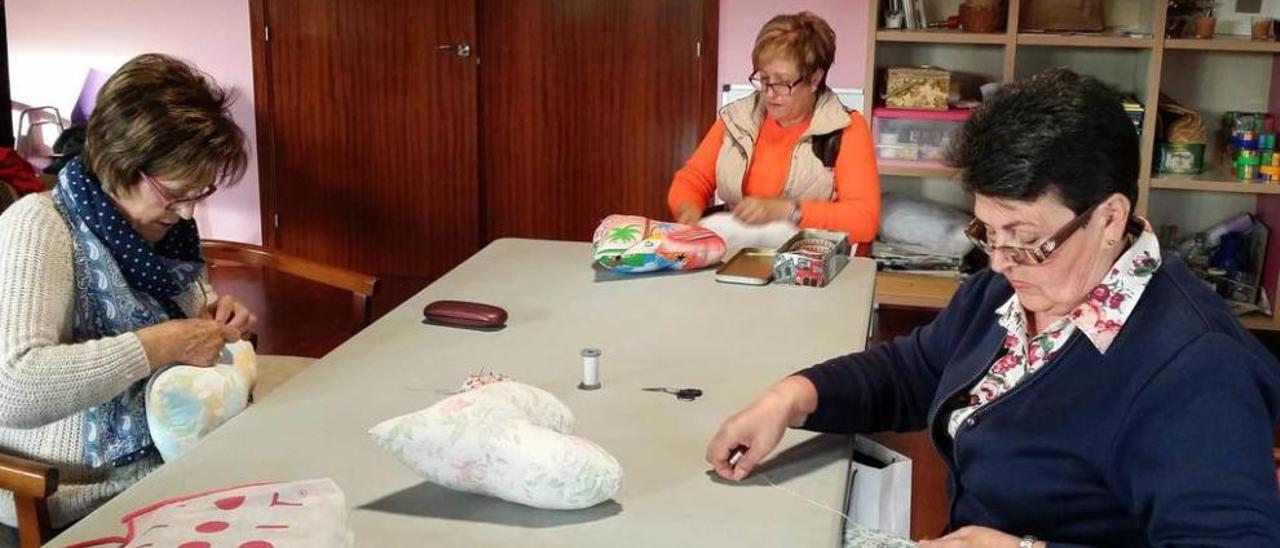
(915, 135)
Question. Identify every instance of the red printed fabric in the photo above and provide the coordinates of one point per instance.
(18, 173)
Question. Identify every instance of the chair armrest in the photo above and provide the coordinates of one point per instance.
(27, 478)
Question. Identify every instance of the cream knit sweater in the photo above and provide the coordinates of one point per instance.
(46, 381)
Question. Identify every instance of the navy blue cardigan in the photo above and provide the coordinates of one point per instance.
(1163, 441)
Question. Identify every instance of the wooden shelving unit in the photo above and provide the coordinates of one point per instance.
(942, 37)
(905, 168)
(1212, 181)
(1223, 43)
(1085, 40)
(1258, 322)
(1146, 54)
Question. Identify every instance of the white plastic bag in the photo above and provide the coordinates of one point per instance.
(880, 495)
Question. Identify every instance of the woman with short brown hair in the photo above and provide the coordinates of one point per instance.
(101, 281)
(790, 151)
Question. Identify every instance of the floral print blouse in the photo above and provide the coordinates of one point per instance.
(1100, 318)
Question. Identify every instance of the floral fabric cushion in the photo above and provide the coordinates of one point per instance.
(630, 243)
(507, 440)
(185, 403)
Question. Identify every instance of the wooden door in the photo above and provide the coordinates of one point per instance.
(6, 122)
(588, 107)
(369, 132)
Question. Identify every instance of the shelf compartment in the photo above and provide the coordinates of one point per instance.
(1085, 40)
(905, 168)
(1223, 43)
(942, 37)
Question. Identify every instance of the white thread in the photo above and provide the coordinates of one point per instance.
(802, 497)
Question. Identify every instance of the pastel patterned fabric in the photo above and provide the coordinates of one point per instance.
(122, 284)
(186, 403)
(1099, 318)
(503, 439)
(633, 244)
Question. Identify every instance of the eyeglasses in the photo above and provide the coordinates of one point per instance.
(778, 88)
(171, 202)
(1033, 255)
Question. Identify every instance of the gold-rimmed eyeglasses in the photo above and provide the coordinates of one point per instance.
(978, 233)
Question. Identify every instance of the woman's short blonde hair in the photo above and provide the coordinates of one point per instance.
(164, 117)
(804, 38)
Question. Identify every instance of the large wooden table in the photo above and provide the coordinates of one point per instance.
(679, 330)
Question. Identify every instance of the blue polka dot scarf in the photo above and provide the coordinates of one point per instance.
(164, 271)
(121, 285)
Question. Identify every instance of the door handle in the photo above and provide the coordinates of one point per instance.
(461, 50)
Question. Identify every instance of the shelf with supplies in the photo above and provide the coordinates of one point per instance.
(1133, 55)
(1223, 43)
(904, 168)
(1215, 180)
(899, 289)
(942, 36)
(1086, 40)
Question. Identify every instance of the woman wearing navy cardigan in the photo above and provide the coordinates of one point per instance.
(1083, 391)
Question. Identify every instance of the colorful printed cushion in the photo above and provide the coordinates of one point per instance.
(507, 440)
(630, 243)
(185, 403)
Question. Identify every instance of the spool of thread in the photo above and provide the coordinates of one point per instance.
(1247, 163)
(1247, 172)
(1274, 169)
(1248, 140)
(590, 369)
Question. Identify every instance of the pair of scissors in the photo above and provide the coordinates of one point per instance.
(682, 394)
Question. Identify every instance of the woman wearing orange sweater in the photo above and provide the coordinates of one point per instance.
(762, 156)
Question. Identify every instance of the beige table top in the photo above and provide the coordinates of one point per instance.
(680, 330)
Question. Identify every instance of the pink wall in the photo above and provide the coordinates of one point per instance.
(54, 43)
(740, 20)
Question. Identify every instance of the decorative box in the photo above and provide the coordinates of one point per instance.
(917, 88)
(811, 258)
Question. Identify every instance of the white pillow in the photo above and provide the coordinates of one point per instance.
(738, 234)
(506, 440)
(185, 403)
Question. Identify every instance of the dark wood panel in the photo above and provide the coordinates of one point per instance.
(373, 133)
(588, 109)
(6, 122)
(263, 121)
(710, 77)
